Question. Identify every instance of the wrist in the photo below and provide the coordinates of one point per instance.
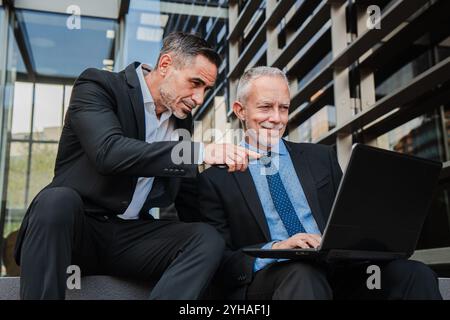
(275, 244)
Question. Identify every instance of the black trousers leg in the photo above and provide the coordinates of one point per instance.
(48, 242)
(181, 256)
(290, 280)
(400, 280)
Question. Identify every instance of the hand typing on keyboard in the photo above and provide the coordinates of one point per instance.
(300, 240)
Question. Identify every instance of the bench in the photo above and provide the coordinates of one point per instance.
(112, 288)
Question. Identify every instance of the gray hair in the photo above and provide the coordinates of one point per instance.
(253, 74)
(185, 46)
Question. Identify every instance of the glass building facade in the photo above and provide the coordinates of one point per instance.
(350, 80)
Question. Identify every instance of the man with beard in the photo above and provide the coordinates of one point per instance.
(115, 162)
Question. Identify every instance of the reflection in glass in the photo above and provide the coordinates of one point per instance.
(143, 34)
(43, 156)
(148, 22)
(47, 112)
(403, 76)
(15, 62)
(21, 119)
(318, 125)
(446, 125)
(443, 49)
(420, 137)
(16, 198)
(303, 81)
(62, 52)
(17, 171)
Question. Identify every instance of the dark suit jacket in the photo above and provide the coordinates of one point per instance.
(102, 150)
(230, 203)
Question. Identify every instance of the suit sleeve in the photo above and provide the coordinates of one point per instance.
(186, 201)
(92, 118)
(237, 267)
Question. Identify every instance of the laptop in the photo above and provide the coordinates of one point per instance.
(379, 210)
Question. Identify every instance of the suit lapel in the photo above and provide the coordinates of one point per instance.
(184, 123)
(249, 193)
(135, 94)
(302, 167)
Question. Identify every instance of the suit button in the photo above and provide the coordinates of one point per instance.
(124, 203)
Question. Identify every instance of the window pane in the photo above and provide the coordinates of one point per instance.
(420, 137)
(61, 51)
(67, 93)
(42, 165)
(444, 49)
(17, 175)
(2, 40)
(47, 112)
(315, 127)
(21, 120)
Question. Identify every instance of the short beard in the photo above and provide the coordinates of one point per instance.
(168, 101)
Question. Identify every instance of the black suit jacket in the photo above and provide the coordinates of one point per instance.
(102, 150)
(230, 203)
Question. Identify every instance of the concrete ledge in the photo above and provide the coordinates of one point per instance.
(111, 288)
(92, 288)
(444, 286)
(433, 257)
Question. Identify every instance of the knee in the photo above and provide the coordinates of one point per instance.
(411, 269)
(208, 240)
(54, 207)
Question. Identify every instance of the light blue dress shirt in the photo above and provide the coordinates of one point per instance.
(281, 161)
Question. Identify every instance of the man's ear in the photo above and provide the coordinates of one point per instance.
(165, 61)
(239, 110)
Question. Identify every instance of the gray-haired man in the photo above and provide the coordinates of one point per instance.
(286, 205)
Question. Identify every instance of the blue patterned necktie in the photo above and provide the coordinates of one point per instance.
(281, 200)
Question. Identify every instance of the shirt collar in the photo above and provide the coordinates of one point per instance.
(278, 149)
(146, 95)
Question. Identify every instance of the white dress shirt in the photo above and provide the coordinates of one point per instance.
(162, 129)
